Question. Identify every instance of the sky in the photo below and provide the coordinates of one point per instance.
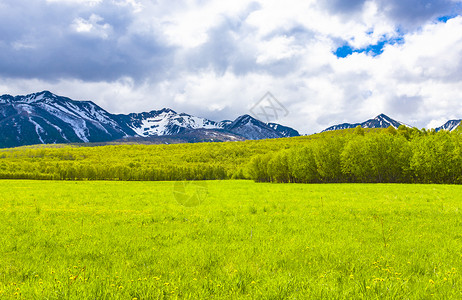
(324, 61)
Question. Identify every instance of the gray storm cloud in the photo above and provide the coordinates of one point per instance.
(54, 41)
(406, 13)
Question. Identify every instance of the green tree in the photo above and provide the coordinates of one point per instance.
(377, 158)
(327, 156)
(302, 165)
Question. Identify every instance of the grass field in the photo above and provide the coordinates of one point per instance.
(126, 240)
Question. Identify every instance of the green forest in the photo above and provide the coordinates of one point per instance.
(403, 155)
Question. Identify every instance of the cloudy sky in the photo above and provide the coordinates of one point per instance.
(326, 61)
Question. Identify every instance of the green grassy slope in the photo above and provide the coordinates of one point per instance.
(137, 162)
(127, 240)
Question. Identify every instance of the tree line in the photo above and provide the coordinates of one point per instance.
(406, 155)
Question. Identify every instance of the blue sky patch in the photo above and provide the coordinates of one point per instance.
(444, 19)
(343, 51)
(372, 50)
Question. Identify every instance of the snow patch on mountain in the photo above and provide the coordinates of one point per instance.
(450, 125)
(38, 129)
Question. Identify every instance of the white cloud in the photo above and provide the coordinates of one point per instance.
(137, 6)
(188, 24)
(281, 47)
(93, 26)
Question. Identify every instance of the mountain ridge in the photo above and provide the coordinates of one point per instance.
(46, 118)
(381, 121)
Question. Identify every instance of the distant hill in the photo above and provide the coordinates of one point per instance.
(186, 136)
(284, 130)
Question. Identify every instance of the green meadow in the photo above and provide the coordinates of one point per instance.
(133, 240)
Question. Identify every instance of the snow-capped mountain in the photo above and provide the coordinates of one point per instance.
(450, 125)
(164, 122)
(381, 121)
(43, 118)
(252, 128)
(167, 122)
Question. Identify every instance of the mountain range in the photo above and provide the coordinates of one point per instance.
(384, 121)
(381, 121)
(46, 118)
